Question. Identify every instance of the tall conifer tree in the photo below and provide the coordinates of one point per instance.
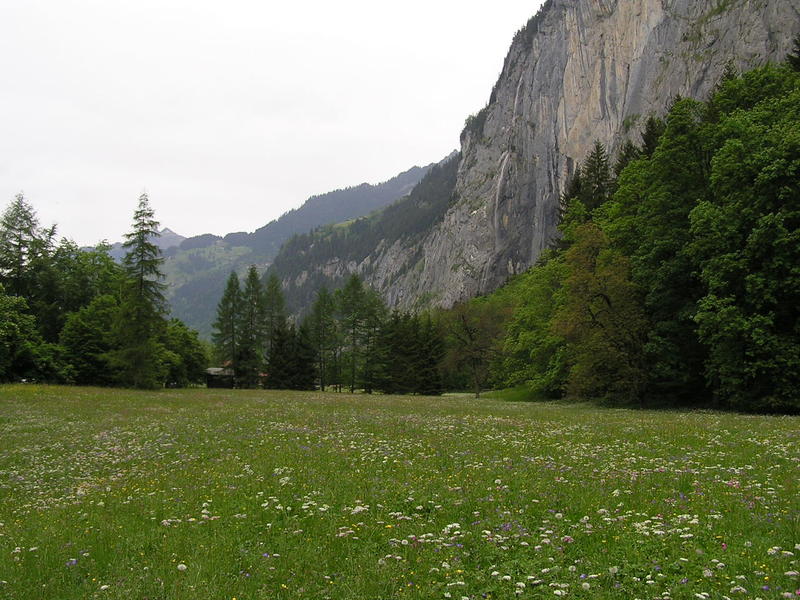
(253, 330)
(141, 316)
(350, 301)
(274, 310)
(19, 234)
(322, 333)
(226, 335)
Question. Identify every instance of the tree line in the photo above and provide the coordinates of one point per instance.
(348, 341)
(676, 278)
(71, 315)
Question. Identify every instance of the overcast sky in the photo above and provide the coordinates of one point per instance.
(230, 113)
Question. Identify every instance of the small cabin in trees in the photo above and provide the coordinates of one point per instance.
(219, 377)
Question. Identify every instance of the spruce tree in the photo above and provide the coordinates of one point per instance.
(373, 313)
(653, 129)
(252, 330)
(274, 310)
(304, 360)
(141, 317)
(431, 354)
(226, 335)
(350, 302)
(143, 259)
(279, 365)
(595, 178)
(323, 332)
(19, 234)
(627, 153)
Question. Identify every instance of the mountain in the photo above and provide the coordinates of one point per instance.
(165, 240)
(328, 254)
(579, 71)
(168, 239)
(196, 268)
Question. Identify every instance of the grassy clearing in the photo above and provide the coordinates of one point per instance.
(108, 494)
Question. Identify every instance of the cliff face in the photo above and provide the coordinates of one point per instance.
(582, 70)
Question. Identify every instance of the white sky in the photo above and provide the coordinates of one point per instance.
(229, 113)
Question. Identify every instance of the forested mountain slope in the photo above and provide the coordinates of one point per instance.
(325, 256)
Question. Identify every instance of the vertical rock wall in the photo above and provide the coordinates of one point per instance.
(582, 70)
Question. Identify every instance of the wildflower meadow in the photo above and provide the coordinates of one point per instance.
(225, 494)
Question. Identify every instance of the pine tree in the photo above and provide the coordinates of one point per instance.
(374, 312)
(350, 302)
(279, 365)
(323, 332)
(595, 178)
(138, 361)
(653, 129)
(304, 360)
(143, 259)
(396, 366)
(226, 336)
(19, 236)
(274, 309)
(430, 356)
(627, 153)
(252, 330)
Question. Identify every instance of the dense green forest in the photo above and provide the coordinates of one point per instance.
(349, 340)
(69, 315)
(677, 279)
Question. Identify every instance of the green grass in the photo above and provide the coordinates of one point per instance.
(307, 495)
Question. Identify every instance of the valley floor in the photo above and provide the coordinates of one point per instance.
(235, 494)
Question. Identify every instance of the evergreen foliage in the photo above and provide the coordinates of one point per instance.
(274, 309)
(21, 242)
(254, 329)
(324, 335)
(226, 334)
(139, 360)
(681, 285)
(76, 316)
(292, 363)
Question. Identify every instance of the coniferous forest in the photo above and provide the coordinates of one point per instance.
(70, 315)
(677, 277)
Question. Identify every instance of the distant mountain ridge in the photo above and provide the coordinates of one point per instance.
(165, 240)
(196, 268)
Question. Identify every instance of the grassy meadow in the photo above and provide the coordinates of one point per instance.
(223, 494)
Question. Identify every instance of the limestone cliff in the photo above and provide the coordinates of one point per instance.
(581, 70)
